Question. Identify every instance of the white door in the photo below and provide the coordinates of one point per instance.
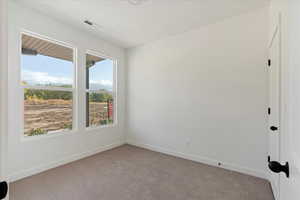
(3, 82)
(290, 143)
(274, 106)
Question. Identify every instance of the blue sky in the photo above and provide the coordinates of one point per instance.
(41, 70)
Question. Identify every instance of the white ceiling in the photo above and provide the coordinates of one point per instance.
(130, 25)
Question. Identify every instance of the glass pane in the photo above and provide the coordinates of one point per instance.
(100, 109)
(47, 111)
(99, 76)
(46, 64)
(99, 72)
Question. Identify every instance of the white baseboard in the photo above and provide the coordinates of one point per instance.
(204, 160)
(41, 168)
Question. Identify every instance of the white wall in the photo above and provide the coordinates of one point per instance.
(40, 153)
(203, 94)
(3, 88)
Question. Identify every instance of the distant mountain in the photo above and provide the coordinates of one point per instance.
(95, 86)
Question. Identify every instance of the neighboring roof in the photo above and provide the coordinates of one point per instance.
(33, 46)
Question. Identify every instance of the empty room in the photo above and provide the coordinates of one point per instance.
(150, 100)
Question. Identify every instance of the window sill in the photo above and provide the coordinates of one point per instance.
(64, 133)
(48, 135)
(93, 128)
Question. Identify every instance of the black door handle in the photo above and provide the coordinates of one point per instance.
(276, 167)
(3, 189)
(274, 128)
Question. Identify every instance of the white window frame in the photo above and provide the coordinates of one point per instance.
(114, 90)
(74, 88)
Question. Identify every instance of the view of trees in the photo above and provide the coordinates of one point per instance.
(64, 95)
(47, 94)
(100, 97)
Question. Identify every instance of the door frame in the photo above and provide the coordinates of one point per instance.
(3, 89)
(276, 31)
(290, 34)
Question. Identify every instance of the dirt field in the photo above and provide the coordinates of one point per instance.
(53, 115)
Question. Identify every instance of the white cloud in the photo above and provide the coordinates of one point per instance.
(44, 78)
(102, 82)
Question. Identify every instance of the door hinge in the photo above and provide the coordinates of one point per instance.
(269, 62)
(276, 167)
(269, 111)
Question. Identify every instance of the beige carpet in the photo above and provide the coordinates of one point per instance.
(131, 173)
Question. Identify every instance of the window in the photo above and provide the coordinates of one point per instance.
(47, 79)
(100, 91)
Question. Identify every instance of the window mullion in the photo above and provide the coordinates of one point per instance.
(81, 93)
